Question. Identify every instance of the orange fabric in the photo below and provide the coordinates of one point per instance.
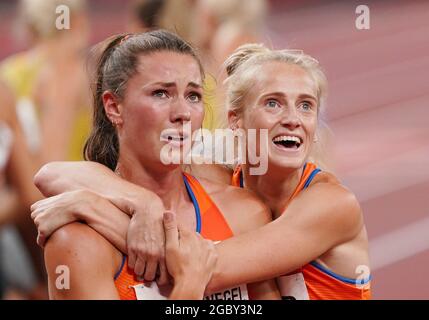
(125, 281)
(320, 286)
(213, 227)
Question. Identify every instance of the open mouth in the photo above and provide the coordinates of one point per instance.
(288, 142)
(174, 137)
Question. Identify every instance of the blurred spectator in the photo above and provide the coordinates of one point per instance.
(17, 193)
(49, 79)
(172, 15)
(223, 25)
(145, 15)
(220, 26)
(46, 99)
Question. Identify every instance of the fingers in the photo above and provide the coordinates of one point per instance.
(41, 240)
(132, 258)
(163, 274)
(140, 267)
(145, 245)
(171, 231)
(150, 271)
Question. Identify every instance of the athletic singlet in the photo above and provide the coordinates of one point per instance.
(314, 281)
(211, 224)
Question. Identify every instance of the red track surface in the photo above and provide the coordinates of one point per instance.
(378, 110)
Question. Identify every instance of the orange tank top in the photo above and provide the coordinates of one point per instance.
(211, 224)
(314, 281)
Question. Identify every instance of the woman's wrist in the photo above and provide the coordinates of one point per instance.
(85, 206)
(187, 290)
(146, 202)
(136, 200)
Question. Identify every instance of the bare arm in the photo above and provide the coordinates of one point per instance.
(322, 217)
(81, 205)
(265, 289)
(145, 240)
(253, 215)
(190, 260)
(319, 219)
(58, 177)
(81, 264)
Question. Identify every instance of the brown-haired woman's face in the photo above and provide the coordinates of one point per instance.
(164, 95)
(284, 102)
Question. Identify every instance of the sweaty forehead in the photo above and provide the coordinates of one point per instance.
(283, 77)
(167, 66)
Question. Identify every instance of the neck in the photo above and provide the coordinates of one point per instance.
(167, 184)
(273, 188)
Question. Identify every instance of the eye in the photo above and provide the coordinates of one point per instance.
(272, 104)
(306, 106)
(194, 97)
(160, 93)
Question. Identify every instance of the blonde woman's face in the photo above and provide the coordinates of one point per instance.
(283, 101)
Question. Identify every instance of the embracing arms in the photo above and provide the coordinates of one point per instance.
(145, 250)
(81, 264)
(317, 220)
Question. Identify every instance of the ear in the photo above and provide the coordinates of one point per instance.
(234, 121)
(112, 108)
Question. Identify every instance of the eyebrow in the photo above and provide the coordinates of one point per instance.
(195, 85)
(283, 95)
(307, 95)
(173, 84)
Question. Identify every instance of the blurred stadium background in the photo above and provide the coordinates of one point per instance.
(378, 111)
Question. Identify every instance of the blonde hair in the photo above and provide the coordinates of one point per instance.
(242, 67)
(38, 16)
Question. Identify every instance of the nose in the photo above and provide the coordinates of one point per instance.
(180, 111)
(290, 118)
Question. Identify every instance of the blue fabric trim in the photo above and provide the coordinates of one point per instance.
(310, 178)
(338, 277)
(195, 203)
(124, 257)
(197, 214)
(241, 179)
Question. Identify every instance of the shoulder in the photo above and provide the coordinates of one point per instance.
(330, 204)
(80, 248)
(243, 210)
